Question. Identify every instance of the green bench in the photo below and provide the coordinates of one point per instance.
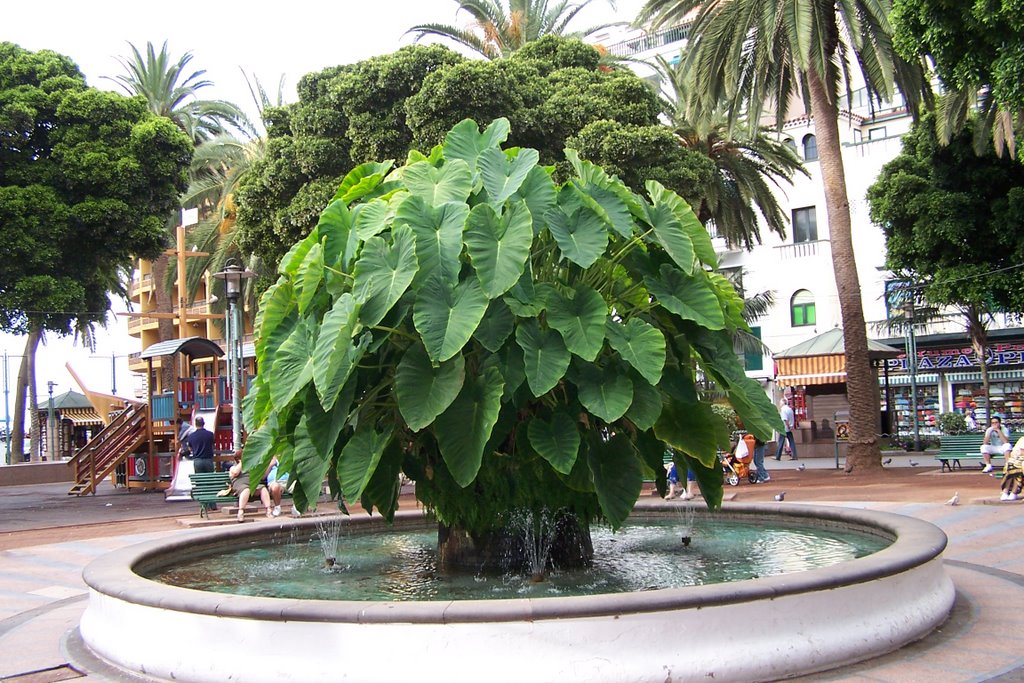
(956, 447)
(206, 486)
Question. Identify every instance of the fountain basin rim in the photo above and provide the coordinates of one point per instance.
(915, 543)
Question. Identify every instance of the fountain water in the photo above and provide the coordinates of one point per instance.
(328, 531)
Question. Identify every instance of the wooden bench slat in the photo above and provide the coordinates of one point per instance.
(956, 447)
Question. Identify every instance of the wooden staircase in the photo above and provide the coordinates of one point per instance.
(111, 447)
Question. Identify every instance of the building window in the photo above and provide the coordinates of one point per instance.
(801, 309)
(805, 225)
(810, 148)
(791, 144)
(754, 360)
(876, 133)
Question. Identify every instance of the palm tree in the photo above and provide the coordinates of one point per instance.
(745, 163)
(500, 28)
(169, 92)
(753, 53)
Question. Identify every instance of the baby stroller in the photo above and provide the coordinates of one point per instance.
(736, 464)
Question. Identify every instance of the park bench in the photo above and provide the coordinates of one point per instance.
(956, 447)
(206, 486)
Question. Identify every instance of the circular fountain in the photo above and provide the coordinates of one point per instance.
(757, 629)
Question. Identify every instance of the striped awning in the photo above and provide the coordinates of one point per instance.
(830, 369)
(81, 417)
(993, 375)
(902, 380)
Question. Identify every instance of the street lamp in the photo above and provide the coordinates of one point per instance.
(908, 314)
(232, 275)
(51, 445)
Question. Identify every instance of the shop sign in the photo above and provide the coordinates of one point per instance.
(842, 430)
(960, 358)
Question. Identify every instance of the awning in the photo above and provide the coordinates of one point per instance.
(993, 376)
(190, 346)
(81, 417)
(900, 380)
(810, 370)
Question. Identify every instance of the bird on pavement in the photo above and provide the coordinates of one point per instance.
(887, 461)
(801, 467)
(913, 463)
(955, 500)
(780, 496)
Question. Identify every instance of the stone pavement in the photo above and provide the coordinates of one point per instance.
(42, 594)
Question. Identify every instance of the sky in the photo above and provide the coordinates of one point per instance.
(270, 40)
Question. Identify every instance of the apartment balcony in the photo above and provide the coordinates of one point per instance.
(802, 250)
(140, 285)
(650, 41)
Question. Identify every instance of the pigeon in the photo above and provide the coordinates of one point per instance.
(955, 500)
(801, 467)
(780, 496)
(913, 463)
(887, 461)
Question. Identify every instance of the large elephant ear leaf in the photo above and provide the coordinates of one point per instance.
(694, 429)
(464, 428)
(359, 460)
(689, 297)
(582, 235)
(544, 355)
(292, 367)
(335, 229)
(370, 219)
(450, 183)
(447, 316)
(641, 345)
(538, 191)
(466, 142)
(309, 465)
(703, 248)
(277, 309)
(671, 236)
(557, 441)
(425, 391)
(503, 176)
(294, 257)
(383, 273)
(438, 231)
(646, 406)
(335, 356)
(384, 487)
(311, 274)
(496, 326)
(618, 476)
(362, 180)
(605, 392)
(580, 320)
(498, 246)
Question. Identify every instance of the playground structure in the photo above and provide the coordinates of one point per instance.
(137, 448)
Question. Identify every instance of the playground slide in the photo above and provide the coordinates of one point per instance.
(181, 485)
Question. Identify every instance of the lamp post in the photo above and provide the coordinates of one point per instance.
(113, 370)
(908, 313)
(51, 445)
(232, 275)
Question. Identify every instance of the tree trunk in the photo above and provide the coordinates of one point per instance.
(861, 383)
(565, 544)
(35, 439)
(979, 342)
(20, 392)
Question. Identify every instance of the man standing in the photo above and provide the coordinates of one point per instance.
(788, 421)
(200, 442)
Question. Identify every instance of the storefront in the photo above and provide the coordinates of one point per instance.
(948, 378)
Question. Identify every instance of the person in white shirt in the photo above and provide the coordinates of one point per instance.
(788, 421)
(996, 442)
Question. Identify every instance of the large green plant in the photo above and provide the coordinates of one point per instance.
(504, 341)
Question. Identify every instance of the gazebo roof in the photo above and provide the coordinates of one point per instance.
(193, 347)
(69, 399)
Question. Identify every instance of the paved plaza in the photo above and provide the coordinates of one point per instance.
(47, 537)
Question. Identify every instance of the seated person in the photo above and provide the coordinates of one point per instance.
(241, 487)
(1013, 473)
(278, 483)
(996, 442)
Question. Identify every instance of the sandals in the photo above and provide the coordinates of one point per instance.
(240, 517)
